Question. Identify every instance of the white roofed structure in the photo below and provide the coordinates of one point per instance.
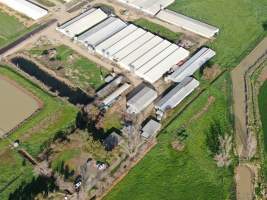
(192, 65)
(102, 48)
(151, 7)
(114, 95)
(26, 8)
(188, 23)
(123, 43)
(141, 100)
(101, 32)
(151, 128)
(177, 94)
(82, 22)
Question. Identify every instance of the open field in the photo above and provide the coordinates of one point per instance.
(158, 29)
(167, 174)
(68, 64)
(55, 117)
(10, 29)
(263, 111)
(240, 22)
(16, 105)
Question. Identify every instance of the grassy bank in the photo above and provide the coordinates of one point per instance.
(158, 29)
(10, 29)
(34, 134)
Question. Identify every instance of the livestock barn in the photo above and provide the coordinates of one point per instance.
(145, 54)
(132, 48)
(187, 23)
(26, 8)
(82, 22)
(151, 7)
(192, 65)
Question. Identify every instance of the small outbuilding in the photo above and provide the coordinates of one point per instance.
(112, 141)
(141, 100)
(151, 128)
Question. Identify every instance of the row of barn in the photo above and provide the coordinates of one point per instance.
(140, 52)
(27, 8)
(134, 49)
(157, 8)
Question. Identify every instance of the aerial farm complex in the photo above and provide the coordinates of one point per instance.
(92, 87)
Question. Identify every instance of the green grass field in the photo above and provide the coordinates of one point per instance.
(158, 29)
(10, 29)
(240, 23)
(263, 114)
(191, 174)
(54, 117)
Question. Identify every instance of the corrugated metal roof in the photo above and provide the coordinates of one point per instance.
(192, 65)
(141, 100)
(80, 24)
(102, 47)
(125, 42)
(188, 23)
(177, 94)
(26, 7)
(149, 6)
(150, 129)
(165, 65)
(135, 55)
(102, 31)
(133, 46)
(108, 100)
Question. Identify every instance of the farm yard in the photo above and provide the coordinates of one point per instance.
(13, 28)
(167, 174)
(34, 135)
(16, 105)
(68, 64)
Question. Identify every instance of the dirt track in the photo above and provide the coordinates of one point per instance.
(239, 106)
(244, 174)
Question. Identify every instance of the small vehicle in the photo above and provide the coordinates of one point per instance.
(78, 182)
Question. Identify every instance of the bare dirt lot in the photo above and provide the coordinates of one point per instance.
(16, 105)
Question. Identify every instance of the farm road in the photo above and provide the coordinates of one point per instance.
(244, 174)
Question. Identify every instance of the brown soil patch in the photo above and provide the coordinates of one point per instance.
(210, 73)
(16, 105)
(178, 146)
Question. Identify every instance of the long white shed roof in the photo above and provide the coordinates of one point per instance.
(192, 65)
(150, 55)
(188, 23)
(27, 8)
(125, 42)
(135, 55)
(83, 22)
(177, 94)
(153, 62)
(102, 47)
(141, 100)
(102, 31)
(164, 66)
(148, 6)
(109, 99)
(133, 46)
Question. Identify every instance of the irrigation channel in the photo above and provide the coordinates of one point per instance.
(74, 95)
